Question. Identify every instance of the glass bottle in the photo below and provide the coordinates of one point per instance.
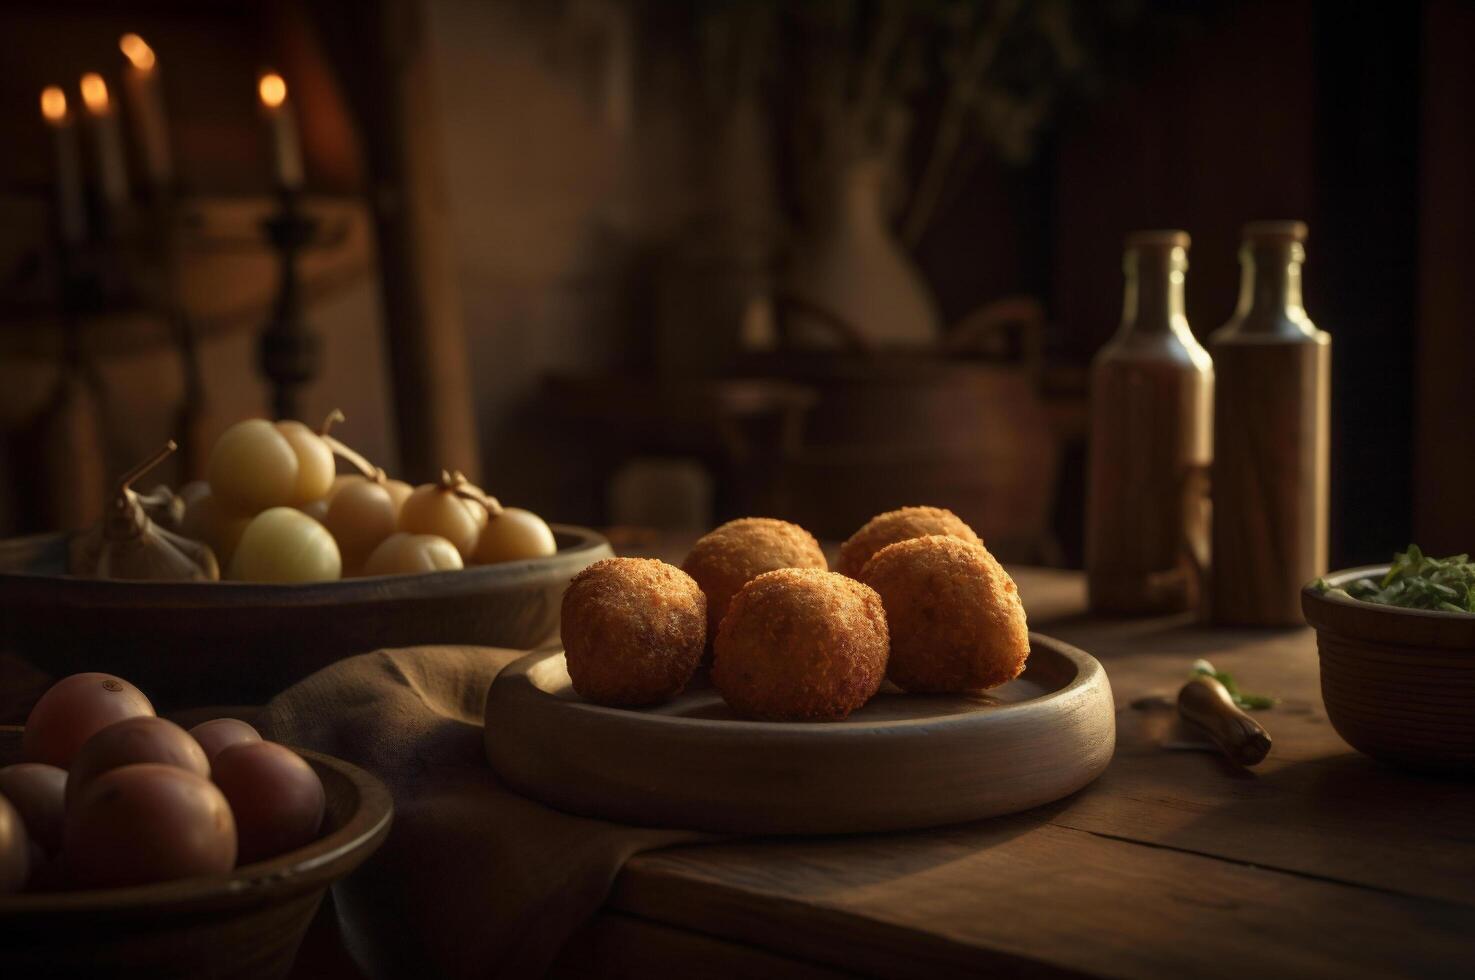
(1147, 520)
(1272, 437)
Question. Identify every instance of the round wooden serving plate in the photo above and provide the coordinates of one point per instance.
(191, 643)
(247, 924)
(903, 761)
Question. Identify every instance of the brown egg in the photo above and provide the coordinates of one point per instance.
(73, 710)
(146, 823)
(276, 797)
(130, 742)
(38, 791)
(15, 849)
(221, 733)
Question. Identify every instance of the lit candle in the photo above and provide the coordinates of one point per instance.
(105, 138)
(71, 219)
(146, 101)
(282, 121)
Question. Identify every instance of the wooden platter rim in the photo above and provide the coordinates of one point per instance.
(517, 682)
(312, 866)
(754, 777)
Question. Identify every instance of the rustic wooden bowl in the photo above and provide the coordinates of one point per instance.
(1399, 684)
(244, 925)
(191, 643)
(903, 761)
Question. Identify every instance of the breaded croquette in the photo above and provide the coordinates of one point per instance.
(726, 559)
(956, 621)
(801, 644)
(633, 631)
(899, 525)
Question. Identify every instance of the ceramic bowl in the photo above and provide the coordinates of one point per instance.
(193, 643)
(1399, 684)
(243, 926)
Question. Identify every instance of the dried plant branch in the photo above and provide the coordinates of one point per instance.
(951, 126)
(889, 35)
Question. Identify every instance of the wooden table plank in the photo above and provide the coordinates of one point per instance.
(1003, 893)
(618, 945)
(1172, 863)
(1314, 807)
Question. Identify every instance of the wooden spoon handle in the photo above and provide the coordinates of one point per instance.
(1205, 703)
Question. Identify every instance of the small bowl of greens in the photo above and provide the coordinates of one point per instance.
(1397, 648)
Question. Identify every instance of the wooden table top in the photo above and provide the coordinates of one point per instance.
(1174, 863)
(1318, 862)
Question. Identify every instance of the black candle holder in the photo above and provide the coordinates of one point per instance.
(289, 352)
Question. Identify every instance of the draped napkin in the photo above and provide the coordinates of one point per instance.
(474, 880)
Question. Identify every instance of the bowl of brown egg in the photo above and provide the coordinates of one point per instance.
(229, 589)
(132, 847)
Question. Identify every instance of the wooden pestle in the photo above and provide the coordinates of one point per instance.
(1206, 704)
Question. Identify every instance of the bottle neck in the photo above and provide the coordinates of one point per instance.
(1270, 281)
(1153, 300)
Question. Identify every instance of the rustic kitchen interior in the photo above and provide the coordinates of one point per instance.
(837, 488)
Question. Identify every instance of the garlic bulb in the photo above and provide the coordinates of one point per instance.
(128, 544)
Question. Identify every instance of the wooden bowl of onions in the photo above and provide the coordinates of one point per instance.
(192, 643)
(247, 924)
(233, 588)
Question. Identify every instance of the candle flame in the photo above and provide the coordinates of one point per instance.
(272, 89)
(53, 103)
(95, 93)
(137, 51)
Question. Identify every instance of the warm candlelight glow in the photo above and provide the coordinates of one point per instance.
(136, 50)
(53, 104)
(273, 90)
(95, 93)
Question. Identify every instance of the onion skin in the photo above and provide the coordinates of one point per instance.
(145, 823)
(130, 742)
(276, 797)
(15, 849)
(73, 710)
(219, 734)
(38, 792)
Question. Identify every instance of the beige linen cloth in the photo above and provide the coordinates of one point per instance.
(474, 880)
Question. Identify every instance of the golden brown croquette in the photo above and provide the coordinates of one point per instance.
(801, 644)
(633, 631)
(899, 525)
(956, 621)
(727, 558)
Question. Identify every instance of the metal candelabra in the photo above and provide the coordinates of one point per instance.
(289, 352)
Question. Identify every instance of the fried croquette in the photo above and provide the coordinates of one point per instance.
(801, 644)
(899, 525)
(956, 621)
(633, 631)
(727, 558)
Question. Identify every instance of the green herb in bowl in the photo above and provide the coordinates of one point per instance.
(1417, 581)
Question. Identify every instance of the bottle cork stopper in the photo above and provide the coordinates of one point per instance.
(1275, 231)
(1158, 238)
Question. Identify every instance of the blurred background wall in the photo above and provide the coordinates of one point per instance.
(626, 203)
